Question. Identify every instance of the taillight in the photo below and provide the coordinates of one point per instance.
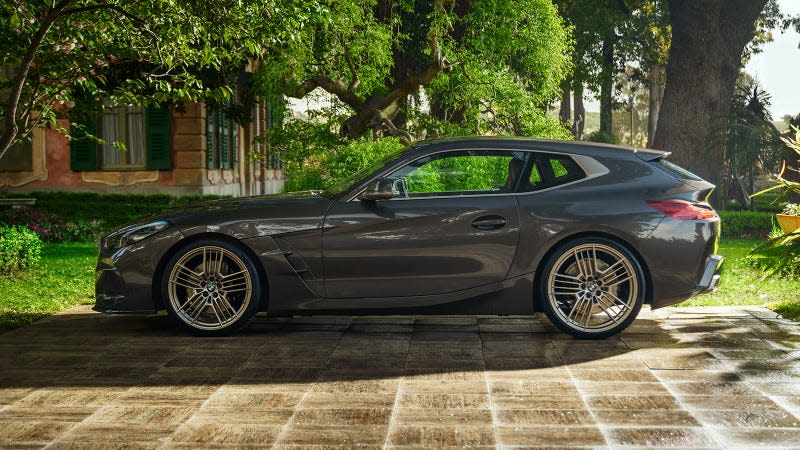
(683, 210)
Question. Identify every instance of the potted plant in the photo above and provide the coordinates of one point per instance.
(789, 219)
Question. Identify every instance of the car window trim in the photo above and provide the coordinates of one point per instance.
(591, 167)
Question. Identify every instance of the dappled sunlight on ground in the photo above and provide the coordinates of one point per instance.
(690, 377)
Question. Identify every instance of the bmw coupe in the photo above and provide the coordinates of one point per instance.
(585, 233)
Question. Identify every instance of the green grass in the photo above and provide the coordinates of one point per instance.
(789, 309)
(64, 278)
(741, 284)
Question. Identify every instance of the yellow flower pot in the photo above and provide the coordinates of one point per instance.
(788, 223)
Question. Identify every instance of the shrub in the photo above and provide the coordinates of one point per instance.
(20, 249)
(746, 224)
(51, 227)
(322, 168)
(109, 210)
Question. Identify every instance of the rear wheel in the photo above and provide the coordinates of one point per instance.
(211, 288)
(592, 287)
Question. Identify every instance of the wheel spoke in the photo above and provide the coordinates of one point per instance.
(193, 300)
(577, 305)
(617, 301)
(214, 308)
(579, 263)
(224, 301)
(605, 307)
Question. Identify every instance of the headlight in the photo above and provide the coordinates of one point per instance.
(131, 234)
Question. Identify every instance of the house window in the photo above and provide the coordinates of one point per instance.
(144, 132)
(222, 139)
(122, 125)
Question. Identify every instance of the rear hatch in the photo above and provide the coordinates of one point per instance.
(700, 189)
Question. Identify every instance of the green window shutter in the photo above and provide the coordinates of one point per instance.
(210, 135)
(159, 139)
(224, 138)
(234, 143)
(82, 150)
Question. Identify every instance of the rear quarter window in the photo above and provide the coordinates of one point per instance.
(677, 171)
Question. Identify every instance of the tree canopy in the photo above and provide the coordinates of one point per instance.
(57, 54)
(490, 65)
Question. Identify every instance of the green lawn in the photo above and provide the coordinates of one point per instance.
(742, 285)
(64, 278)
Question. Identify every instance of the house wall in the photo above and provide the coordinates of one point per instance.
(188, 176)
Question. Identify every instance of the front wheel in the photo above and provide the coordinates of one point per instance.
(211, 288)
(592, 288)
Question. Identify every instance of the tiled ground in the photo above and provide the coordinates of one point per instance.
(678, 377)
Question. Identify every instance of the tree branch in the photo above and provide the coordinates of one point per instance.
(355, 82)
(334, 86)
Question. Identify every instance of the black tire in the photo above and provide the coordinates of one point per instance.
(211, 288)
(592, 287)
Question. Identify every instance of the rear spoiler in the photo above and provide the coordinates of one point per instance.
(648, 155)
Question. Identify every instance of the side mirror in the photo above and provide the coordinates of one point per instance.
(379, 189)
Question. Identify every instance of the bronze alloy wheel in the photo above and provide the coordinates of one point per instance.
(212, 288)
(594, 288)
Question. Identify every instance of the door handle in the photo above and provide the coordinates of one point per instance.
(489, 222)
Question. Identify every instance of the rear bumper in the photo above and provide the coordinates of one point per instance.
(710, 279)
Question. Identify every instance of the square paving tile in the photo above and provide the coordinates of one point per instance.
(678, 377)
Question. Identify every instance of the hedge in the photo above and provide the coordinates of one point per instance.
(746, 224)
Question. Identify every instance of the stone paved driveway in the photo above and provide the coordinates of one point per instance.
(678, 377)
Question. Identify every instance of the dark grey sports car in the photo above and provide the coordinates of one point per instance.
(586, 233)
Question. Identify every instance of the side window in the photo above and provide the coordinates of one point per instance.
(552, 170)
(459, 173)
(535, 178)
(565, 169)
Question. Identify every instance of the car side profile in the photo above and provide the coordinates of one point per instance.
(585, 233)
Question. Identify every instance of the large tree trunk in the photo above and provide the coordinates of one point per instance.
(656, 83)
(708, 37)
(607, 86)
(580, 112)
(565, 112)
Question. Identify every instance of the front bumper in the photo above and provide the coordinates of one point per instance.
(124, 279)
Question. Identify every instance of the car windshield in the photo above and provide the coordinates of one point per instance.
(345, 183)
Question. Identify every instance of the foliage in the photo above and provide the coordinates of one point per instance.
(490, 63)
(781, 252)
(791, 209)
(749, 138)
(20, 249)
(326, 159)
(87, 55)
(603, 137)
(52, 228)
(63, 278)
(746, 224)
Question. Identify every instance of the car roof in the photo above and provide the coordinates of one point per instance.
(552, 145)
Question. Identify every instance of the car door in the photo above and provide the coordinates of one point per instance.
(452, 224)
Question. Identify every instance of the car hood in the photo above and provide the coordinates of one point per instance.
(247, 217)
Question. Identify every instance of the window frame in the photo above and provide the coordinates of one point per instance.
(589, 165)
(456, 153)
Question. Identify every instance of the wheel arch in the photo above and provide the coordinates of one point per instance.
(537, 304)
(158, 275)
